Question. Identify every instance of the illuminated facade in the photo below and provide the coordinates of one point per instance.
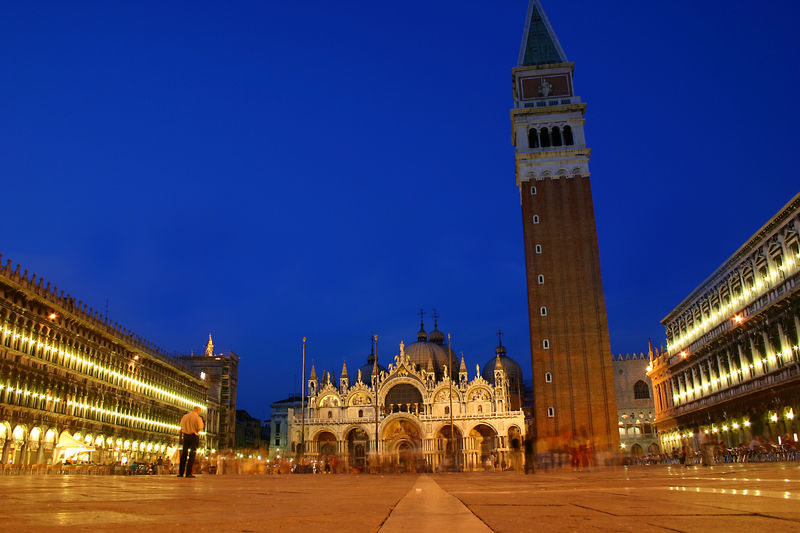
(573, 384)
(415, 395)
(635, 408)
(74, 383)
(732, 366)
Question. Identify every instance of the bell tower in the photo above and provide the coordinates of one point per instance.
(573, 383)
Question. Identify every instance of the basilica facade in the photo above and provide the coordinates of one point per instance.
(424, 411)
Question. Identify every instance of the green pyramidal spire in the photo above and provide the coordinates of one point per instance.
(540, 45)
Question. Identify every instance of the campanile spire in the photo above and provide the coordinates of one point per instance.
(540, 45)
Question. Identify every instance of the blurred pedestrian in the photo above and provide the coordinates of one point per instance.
(191, 426)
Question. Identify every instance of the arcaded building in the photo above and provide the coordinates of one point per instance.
(75, 384)
(732, 368)
(430, 411)
(573, 385)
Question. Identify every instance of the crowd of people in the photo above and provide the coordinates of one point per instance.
(702, 449)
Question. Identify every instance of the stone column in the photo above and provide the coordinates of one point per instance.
(796, 317)
(786, 348)
(734, 376)
(686, 387)
(672, 391)
(767, 350)
(747, 372)
(758, 367)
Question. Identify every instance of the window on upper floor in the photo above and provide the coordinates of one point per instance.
(641, 391)
(540, 279)
(555, 136)
(551, 412)
(544, 137)
(568, 140)
(538, 248)
(546, 344)
(535, 219)
(533, 138)
(533, 191)
(543, 311)
(548, 377)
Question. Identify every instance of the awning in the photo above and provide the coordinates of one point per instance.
(68, 442)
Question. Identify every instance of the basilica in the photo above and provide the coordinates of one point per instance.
(424, 411)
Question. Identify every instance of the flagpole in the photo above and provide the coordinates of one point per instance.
(303, 404)
(375, 385)
(452, 426)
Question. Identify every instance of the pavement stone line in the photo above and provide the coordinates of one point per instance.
(429, 508)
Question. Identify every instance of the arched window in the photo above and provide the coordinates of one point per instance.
(360, 413)
(538, 248)
(533, 138)
(556, 136)
(568, 140)
(404, 396)
(533, 191)
(548, 377)
(535, 219)
(480, 408)
(544, 137)
(641, 391)
(543, 311)
(447, 410)
(540, 279)
(546, 344)
(330, 415)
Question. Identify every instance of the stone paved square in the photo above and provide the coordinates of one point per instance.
(739, 497)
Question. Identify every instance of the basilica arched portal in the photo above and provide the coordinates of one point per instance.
(326, 444)
(357, 442)
(402, 443)
(481, 444)
(448, 448)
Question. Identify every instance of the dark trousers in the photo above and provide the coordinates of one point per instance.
(190, 444)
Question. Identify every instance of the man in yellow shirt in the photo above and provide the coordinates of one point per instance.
(191, 426)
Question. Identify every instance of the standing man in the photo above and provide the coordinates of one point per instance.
(191, 426)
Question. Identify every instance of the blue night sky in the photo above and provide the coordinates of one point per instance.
(268, 170)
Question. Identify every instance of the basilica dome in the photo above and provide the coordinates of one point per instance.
(422, 353)
(366, 372)
(512, 368)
